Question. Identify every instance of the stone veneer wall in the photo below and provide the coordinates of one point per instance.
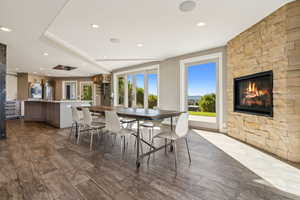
(2, 90)
(271, 44)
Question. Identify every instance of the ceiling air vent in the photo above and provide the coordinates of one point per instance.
(64, 67)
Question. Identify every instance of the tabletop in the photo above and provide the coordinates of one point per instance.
(137, 113)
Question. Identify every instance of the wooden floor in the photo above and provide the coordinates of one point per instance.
(38, 162)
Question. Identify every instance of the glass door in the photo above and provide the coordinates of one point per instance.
(152, 90)
(201, 92)
(137, 89)
(130, 91)
(140, 90)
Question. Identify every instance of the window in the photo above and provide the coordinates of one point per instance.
(70, 90)
(86, 91)
(130, 90)
(137, 88)
(140, 90)
(121, 91)
(152, 90)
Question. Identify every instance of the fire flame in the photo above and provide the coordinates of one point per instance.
(251, 92)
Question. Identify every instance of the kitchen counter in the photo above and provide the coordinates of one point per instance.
(55, 113)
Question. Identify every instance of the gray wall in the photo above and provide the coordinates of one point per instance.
(169, 93)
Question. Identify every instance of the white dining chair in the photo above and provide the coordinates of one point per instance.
(114, 127)
(76, 122)
(89, 126)
(181, 131)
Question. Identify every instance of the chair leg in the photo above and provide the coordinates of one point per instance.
(150, 137)
(71, 132)
(91, 142)
(124, 144)
(78, 136)
(175, 152)
(166, 141)
(188, 149)
(121, 144)
(150, 150)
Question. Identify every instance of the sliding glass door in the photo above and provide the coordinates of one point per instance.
(140, 90)
(137, 89)
(152, 90)
(130, 90)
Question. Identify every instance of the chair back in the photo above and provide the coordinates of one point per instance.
(87, 117)
(107, 120)
(75, 114)
(112, 121)
(182, 126)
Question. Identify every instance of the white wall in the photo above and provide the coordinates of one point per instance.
(11, 86)
(169, 80)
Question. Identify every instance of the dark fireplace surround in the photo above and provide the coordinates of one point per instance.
(253, 94)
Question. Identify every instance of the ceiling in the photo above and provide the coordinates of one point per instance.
(62, 29)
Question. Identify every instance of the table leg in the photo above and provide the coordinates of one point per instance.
(76, 130)
(171, 146)
(138, 140)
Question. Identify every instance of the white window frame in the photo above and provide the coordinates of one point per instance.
(64, 89)
(81, 83)
(219, 90)
(142, 70)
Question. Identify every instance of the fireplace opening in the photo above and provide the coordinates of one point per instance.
(253, 94)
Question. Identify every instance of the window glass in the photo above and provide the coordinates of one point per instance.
(140, 90)
(152, 91)
(121, 91)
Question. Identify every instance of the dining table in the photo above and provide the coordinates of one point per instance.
(139, 115)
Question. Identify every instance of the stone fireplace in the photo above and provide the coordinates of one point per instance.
(253, 94)
(272, 44)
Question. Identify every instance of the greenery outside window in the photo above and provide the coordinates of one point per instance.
(86, 91)
(137, 89)
(121, 90)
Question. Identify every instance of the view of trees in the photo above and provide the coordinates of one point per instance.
(121, 90)
(207, 103)
(202, 105)
(87, 92)
(152, 99)
(140, 97)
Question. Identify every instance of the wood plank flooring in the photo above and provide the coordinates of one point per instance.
(39, 162)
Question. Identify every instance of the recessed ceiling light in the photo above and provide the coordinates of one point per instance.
(114, 40)
(187, 6)
(139, 45)
(5, 29)
(201, 24)
(45, 54)
(95, 26)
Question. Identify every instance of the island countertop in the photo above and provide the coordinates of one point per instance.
(52, 112)
(57, 101)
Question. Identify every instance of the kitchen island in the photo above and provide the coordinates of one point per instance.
(55, 113)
